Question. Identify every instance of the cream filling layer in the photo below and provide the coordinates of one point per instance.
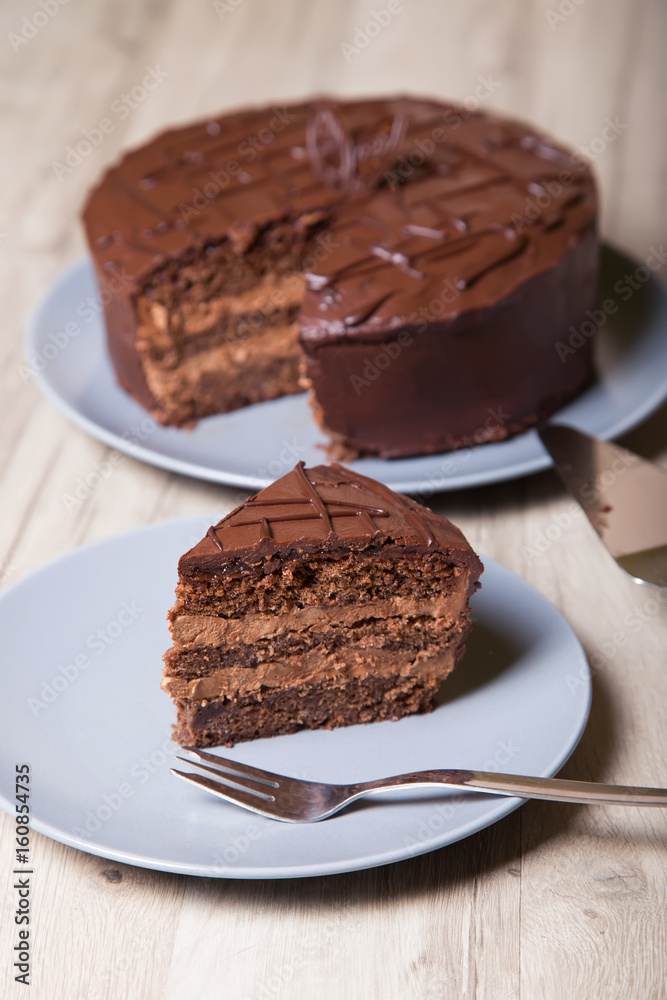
(272, 293)
(269, 353)
(209, 630)
(432, 664)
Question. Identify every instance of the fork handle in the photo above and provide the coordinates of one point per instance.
(551, 789)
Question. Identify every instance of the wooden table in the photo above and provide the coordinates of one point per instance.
(555, 900)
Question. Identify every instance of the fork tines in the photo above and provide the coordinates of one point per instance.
(232, 767)
(238, 783)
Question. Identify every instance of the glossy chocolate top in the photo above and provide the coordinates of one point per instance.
(435, 208)
(466, 216)
(328, 506)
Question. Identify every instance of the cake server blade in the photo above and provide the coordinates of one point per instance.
(623, 496)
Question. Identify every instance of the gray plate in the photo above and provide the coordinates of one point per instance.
(253, 446)
(82, 705)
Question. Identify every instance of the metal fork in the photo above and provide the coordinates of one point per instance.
(294, 800)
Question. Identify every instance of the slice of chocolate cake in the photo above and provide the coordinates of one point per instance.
(325, 600)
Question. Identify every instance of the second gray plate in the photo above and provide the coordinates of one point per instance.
(66, 354)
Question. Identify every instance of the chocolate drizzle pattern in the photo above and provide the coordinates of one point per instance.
(353, 163)
(214, 538)
(462, 246)
(327, 503)
(291, 508)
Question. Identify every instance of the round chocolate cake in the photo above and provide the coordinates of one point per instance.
(414, 264)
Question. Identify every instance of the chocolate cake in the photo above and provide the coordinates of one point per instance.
(325, 600)
(415, 264)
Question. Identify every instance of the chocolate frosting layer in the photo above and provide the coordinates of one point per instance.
(313, 666)
(331, 507)
(212, 630)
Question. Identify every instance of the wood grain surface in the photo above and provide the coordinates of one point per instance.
(555, 900)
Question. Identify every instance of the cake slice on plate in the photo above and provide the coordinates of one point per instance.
(325, 600)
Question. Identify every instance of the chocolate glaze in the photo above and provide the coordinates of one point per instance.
(327, 506)
(463, 380)
(352, 163)
(470, 234)
(471, 272)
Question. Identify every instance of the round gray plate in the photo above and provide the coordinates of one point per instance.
(82, 705)
(253, 446)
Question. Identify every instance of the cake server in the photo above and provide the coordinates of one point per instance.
(623, 496)
(294, 800)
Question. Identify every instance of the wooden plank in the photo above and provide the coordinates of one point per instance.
(554, 901)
